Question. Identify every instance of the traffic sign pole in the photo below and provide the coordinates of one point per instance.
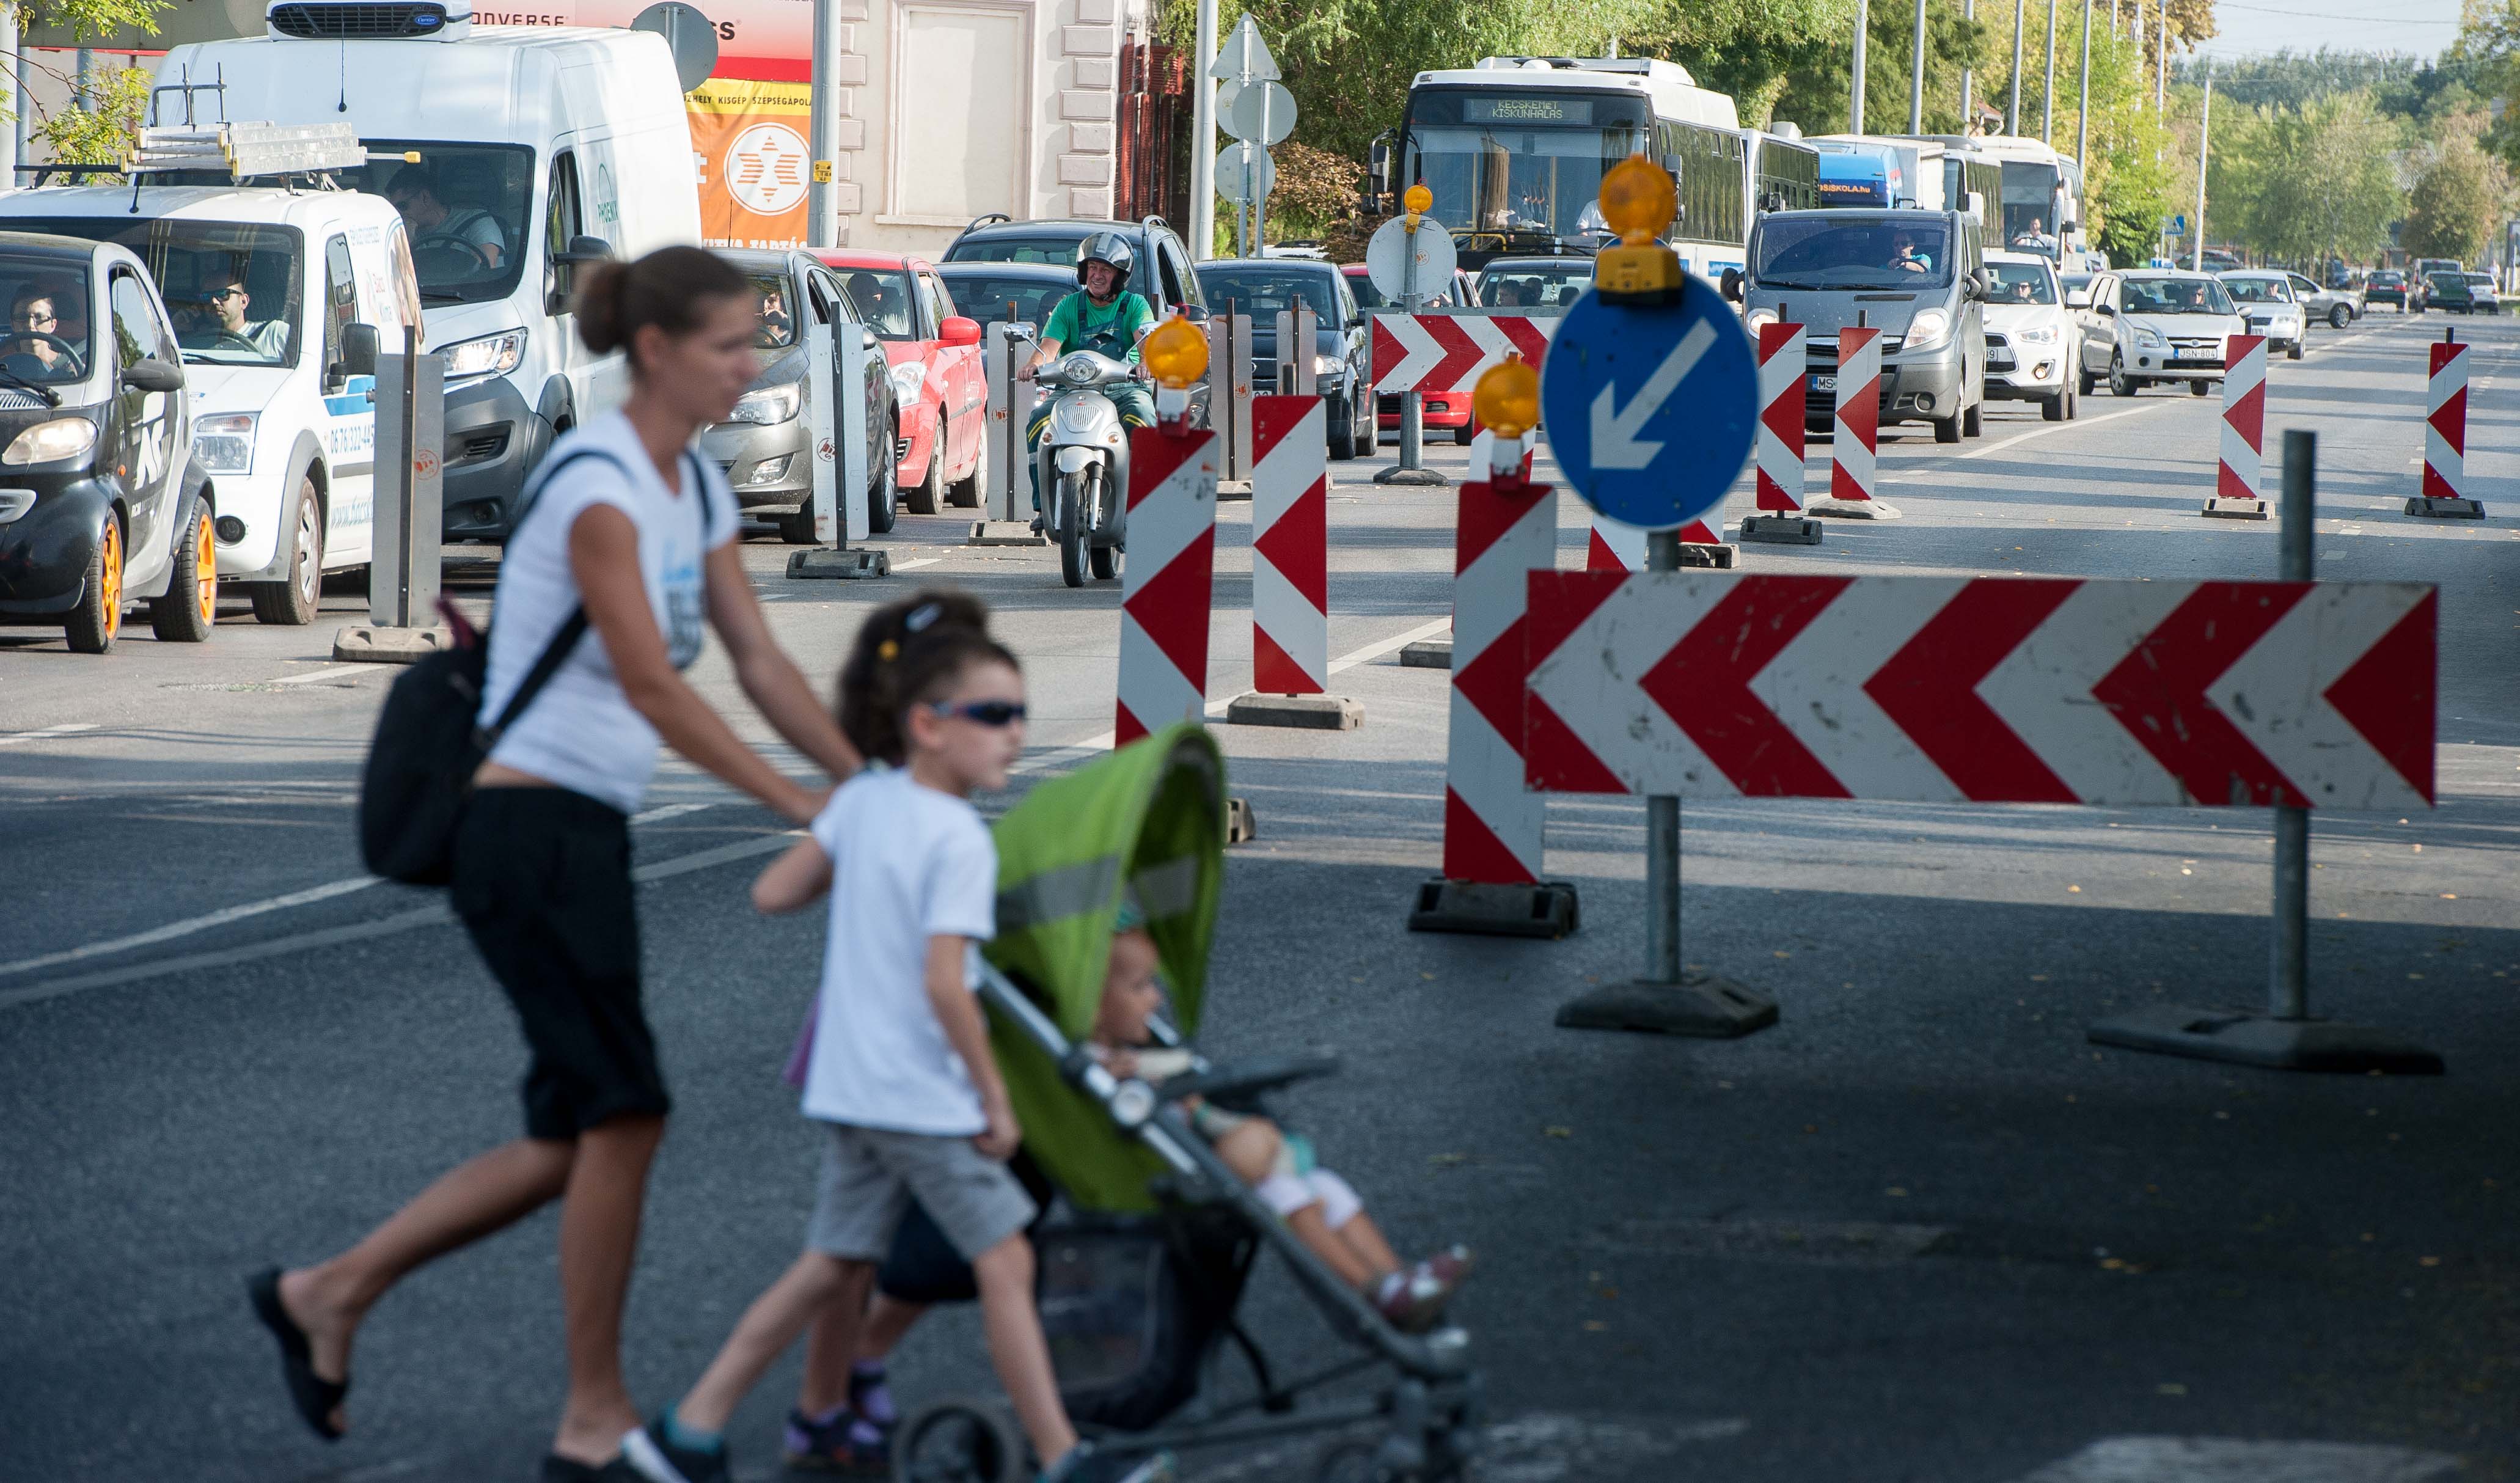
(1411, 470)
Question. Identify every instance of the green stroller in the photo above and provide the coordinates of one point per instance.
(1144, 1262)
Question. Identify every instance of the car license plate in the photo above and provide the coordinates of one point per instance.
(1824, 383)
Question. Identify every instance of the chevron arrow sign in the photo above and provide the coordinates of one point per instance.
(1986, 691)
(1447, 352)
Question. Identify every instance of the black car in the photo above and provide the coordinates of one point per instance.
(1264, 286)
(985, 290)
(2388, 286)
(1161, 275)
(101, 503)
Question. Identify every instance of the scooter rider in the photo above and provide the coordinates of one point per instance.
(1105, 318)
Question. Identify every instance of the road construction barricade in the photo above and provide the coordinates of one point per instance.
(1446, 350)
(1784, 363)
(2239, 490)
(1168, 582)
(1854, 444)
(1290, 621)
(838, 359)
(2444, 489)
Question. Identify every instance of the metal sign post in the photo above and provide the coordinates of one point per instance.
(1298, 338)
(1407, 256)
(409, 497)
(836, 366)
(1006, 512)
(1228, 398)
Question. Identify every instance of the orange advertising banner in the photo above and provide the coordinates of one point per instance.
(749, 140)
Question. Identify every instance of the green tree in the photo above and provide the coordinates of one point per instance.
(103, 121)
(2460, 197)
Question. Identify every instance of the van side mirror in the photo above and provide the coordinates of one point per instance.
(584, 249)
(1732, 285)
(360, 347)
(958, 330)
(152, 375)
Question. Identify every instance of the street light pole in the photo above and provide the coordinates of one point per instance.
(2204, 133)
(1916, 76)
(2013, 111)
(2047, 95)
(822, 121)
(1202, 133)
(2083, 112)
(1968, 77)
(1855, 95)
(2161, 61)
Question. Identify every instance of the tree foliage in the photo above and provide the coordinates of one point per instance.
(102, 125)
(2299, 184)
(1315, 188)
(2459, 197)
(2297, 79)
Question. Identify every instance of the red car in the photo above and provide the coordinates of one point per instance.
(939, 377)
(1438, 409)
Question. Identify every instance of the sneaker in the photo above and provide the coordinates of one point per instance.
(660, 1461)
(1086, 1465)
(845, 1444)
(1413, 1298)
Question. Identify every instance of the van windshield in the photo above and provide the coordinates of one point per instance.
(233, 288)
(469, 210)
(1850, 252)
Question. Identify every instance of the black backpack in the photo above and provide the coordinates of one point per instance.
(428, 744)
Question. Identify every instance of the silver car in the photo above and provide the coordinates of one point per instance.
(767, 448)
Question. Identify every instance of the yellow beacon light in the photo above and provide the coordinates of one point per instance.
(1418, 200)
(1637, 202)
(1175, 353)
(1507, 399)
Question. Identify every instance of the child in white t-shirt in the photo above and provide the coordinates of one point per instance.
(900, 1072)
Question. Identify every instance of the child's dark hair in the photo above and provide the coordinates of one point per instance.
(909, 652)
(671, 287)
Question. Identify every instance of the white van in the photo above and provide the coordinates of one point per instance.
(539, 148)
(280, 299)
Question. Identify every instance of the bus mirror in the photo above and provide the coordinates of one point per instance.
(1377, 172)
(1732, 284)
(1978, 204)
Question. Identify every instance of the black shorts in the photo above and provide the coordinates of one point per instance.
(542, 880)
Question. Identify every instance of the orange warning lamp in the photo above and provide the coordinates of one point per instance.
(1639, 201)
(1417, 200)
(1175, 353)
(1507, 399)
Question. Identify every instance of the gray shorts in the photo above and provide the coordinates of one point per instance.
(871, 1175)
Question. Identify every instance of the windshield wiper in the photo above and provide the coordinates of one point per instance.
(52, 399)
(442, 295)
(1780, 283)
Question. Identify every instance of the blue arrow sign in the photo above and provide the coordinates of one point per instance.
(1651, 410)
(2179, 224)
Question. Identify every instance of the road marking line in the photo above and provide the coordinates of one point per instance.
(2045, 428)
(1372, 652)
(915, 565)
(70, 727)
(2228, 1460)
(330, 672)
(669, 811)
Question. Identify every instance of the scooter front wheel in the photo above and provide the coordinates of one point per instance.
(1071, 529)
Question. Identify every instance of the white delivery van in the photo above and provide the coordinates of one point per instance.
(539, 148)
(280, 299)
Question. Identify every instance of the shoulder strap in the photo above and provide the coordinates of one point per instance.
(572, 629)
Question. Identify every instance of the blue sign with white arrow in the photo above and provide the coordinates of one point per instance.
(1651, 410)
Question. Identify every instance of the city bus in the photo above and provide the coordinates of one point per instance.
(2041, 193)
(1967, 173)
(1514, 148)
(1785, 171)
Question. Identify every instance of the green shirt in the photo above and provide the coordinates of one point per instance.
(1079, 324)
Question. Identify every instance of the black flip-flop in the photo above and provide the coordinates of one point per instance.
(314, 1396)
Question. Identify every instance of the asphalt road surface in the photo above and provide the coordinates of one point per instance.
(1922, 1230)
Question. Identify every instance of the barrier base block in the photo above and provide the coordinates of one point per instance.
(1005, 534)
(1535, 909)
(1780, 529)
(2249, 1038)
(1428, 653)
(1234, 490)
(2234, 510)
(1718, 554)
(1701, 1005)
(1304, 712)
(1852, 509)
(377, 644)
(1396, 475)
(824, 564)
(1241, 825)
(2454, 510)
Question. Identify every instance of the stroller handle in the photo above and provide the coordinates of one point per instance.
(1243, 1078)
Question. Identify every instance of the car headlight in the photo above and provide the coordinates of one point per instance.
(2149, 339)
(1930, 328)
(51, 442)
(1758, 317)
(224, 441)
(907, 380)
(488, 355)
(1329, 365)
(769, 406)
(2036, 334)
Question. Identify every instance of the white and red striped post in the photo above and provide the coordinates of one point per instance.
(2239, 484)
(1290, 620)
(1169, 580)
(1854, 444)
(1492, 826)
(1618, 547)
(2445, 491)
(1782, 353)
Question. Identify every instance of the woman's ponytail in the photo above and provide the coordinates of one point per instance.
(672, 289)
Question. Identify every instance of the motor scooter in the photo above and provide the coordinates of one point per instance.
(1082, 467)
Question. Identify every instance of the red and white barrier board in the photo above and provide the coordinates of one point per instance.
(1852, 447)
(2239, 485)
(1447, 353)
(2445, 490)
(1492, 826)
(1167, 585)
(1290, 621)
(1982, 689)
(1783, 364)
(1616, 546)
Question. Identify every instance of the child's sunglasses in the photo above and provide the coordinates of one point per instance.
(985, 712)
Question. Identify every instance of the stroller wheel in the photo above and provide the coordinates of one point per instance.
(959, 1441)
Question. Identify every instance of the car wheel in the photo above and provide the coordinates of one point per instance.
(2197, 388)
(1368, 418)
(189, 610)
(2339, 317)
(2083, 381)
(2293, 350)
(973, 492)
(2120, 384)
(884, 495)
(930, 493)
(1466, 435)
(1946, 430)
(97, 621)
(797, 529)
(290, 601)
(1343, 436)
(1973, 420)
(2052, 408)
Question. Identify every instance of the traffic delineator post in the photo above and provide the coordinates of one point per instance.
(2445, 488)
(1782, 353)
(1291, 625)
(1169, 581)
(1615, 546)
(2239, 488)
(1853, 446)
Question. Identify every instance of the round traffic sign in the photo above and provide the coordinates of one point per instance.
(1244, 115)
(689, 34)
(1387, 254)
(1651, 410)
(1244, 173)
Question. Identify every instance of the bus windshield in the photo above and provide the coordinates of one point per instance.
(1853, 252)
(2030, 207)
(1521, 161)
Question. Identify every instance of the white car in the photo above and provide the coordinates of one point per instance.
(2032, 339)
(2267, 301)
(2157, 325)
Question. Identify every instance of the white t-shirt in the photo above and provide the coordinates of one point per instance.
(581, 732)
(908, 864)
